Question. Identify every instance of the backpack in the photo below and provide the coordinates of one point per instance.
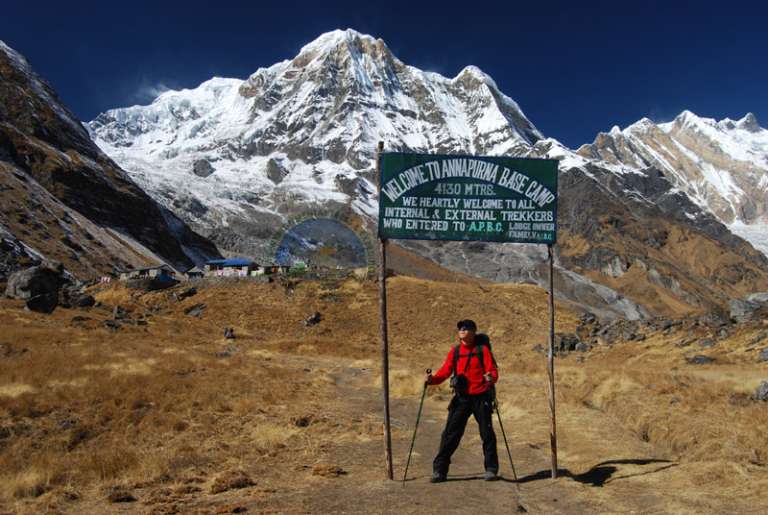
(481, 341)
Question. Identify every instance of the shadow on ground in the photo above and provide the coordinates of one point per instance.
(601, 473)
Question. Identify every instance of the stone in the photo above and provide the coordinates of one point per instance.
(566, 342)
(73, 297)
(758, 338)
(700, 359)
(196, 310)
(275, 172)
(228, 352)
(38, 285)
(185, 294)
(714, 319)
(42, 303)
(202, 168)
(762, 392)
(229, 333)
(303, 421)
(112, 325)
(763, 356)
(753, 307)
(707, 342)
(582, 347)
(314, 319)
(9, 351)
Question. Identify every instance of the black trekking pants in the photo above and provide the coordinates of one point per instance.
(459, 410)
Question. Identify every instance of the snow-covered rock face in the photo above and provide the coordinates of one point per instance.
(722, 165)
(239, 159)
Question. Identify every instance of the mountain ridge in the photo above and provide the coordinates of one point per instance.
(240, 160)
(62, 198)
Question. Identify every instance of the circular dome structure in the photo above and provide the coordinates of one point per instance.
(322, 242)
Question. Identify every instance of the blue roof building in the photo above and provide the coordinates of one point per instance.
(238, 262)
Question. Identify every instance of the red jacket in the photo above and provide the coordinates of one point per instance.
(475, 372)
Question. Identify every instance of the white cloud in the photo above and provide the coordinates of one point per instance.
(150, 91)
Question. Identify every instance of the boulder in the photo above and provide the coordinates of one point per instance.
(195, 310)
(566, 342)
(185, 294)
(700, 359)
(38, 285)
(762, 392)
(73, 297)
(202, 168)
(314, 319)
(275, 171)
(763, 356)
(42, 303)
(753, 307)
(758, 338)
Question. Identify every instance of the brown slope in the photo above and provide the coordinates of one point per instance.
(646, 247)
(44, 148)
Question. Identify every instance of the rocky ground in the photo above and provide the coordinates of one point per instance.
(140, 404)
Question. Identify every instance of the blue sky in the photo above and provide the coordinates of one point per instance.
(575, 68)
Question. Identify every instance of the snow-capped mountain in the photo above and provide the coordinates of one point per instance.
(241, 160)
(302, 133)
(62, 198)
(722, 165)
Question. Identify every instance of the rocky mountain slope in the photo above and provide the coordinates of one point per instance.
(242, 160)
(722, 165)
(62, 198)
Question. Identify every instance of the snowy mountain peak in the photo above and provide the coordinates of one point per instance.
(19, 60)
(749, 123)
(722, 165)
(330, 40)
(474, 72)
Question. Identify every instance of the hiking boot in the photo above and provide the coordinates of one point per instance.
(437, 477)
(491, 475)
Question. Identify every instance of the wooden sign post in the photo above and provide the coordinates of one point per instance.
(551, 362)
(383, 327)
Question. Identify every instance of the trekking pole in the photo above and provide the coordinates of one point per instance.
(509, 453)
(416, 428)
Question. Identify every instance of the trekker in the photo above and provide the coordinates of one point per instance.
(472, 369)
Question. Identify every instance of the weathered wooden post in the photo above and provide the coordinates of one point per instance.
(383, 319)
(551, 362)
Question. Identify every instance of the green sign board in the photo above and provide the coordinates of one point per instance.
(443, 197)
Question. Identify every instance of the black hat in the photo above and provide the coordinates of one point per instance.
(468, 324)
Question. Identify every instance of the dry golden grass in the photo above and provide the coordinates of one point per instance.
(159, 407)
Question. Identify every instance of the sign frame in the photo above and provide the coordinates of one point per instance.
(522, 174)
(383, 292)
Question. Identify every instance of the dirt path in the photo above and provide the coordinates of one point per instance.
(624, 482)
